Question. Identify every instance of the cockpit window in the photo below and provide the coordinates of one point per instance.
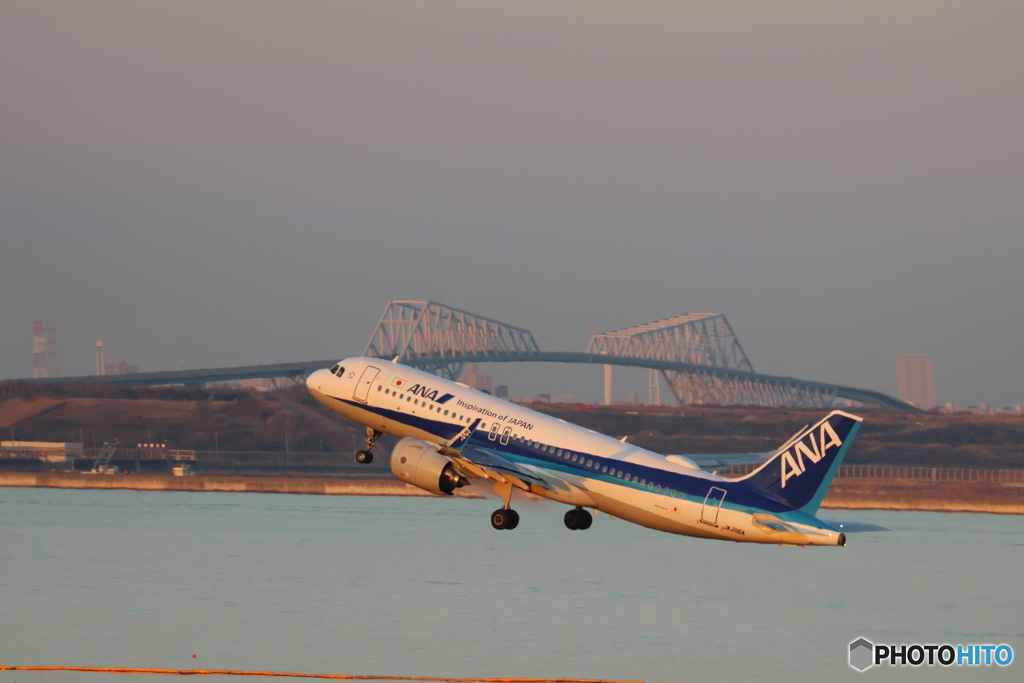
(335, 368)
(339, 371)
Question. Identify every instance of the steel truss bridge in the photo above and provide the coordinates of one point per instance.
(696, 355)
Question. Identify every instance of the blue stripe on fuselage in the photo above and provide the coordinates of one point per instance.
(691, 488)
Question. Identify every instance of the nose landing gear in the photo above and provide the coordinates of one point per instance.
(366, 457)
(578, 519)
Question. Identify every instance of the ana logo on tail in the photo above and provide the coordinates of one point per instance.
(792, 461)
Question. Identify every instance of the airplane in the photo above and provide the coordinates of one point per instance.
(450, 433)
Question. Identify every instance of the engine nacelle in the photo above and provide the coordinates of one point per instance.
(418, 463)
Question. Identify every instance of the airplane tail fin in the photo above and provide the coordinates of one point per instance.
(803, 468)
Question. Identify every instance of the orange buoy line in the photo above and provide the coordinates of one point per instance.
(346, 677)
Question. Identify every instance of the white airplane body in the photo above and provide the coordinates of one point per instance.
(451, 433)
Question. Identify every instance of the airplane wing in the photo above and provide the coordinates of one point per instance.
(485, 464)
(720, 461)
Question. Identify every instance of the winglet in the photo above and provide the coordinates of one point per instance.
(463, 437)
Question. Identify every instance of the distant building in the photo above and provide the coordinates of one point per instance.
(545, 398)
(915, 379)
(44, 349)
(473, 379)
(101, 366)
(120, 367)
(501, 391)
(43, 450)
(633, 399)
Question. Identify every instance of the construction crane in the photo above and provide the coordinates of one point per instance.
(102, 464)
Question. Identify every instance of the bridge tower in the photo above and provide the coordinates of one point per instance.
(438, 337)
(723, 374)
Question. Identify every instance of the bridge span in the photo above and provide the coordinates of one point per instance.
(696, 356)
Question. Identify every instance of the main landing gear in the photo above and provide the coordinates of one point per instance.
(366, 457)
(505, 517)
(578, 519)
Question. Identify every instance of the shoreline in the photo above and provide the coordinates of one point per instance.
(219, 484)
(925, 495)
(844, 494)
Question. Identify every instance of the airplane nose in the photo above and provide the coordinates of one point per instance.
(315, 380)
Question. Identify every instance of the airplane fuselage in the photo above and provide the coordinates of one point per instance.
(580, 467)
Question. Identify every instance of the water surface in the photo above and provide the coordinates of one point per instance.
(425, 587)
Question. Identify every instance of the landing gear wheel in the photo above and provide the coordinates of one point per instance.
(513, 519)
(504, 519)
(578, 519)
(585, 520)
(572, 520)
(366, 457)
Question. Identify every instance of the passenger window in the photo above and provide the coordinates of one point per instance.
(504, 436)
(605, 468)
(494, 431)
(379, 387)
(446, 412)
(589, 463)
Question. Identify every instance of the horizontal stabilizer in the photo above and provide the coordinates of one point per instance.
(721, 461)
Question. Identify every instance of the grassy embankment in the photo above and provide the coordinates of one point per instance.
(235, 420)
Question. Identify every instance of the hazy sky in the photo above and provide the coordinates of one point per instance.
(220, 183)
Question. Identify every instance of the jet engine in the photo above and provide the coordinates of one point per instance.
(418, 463)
